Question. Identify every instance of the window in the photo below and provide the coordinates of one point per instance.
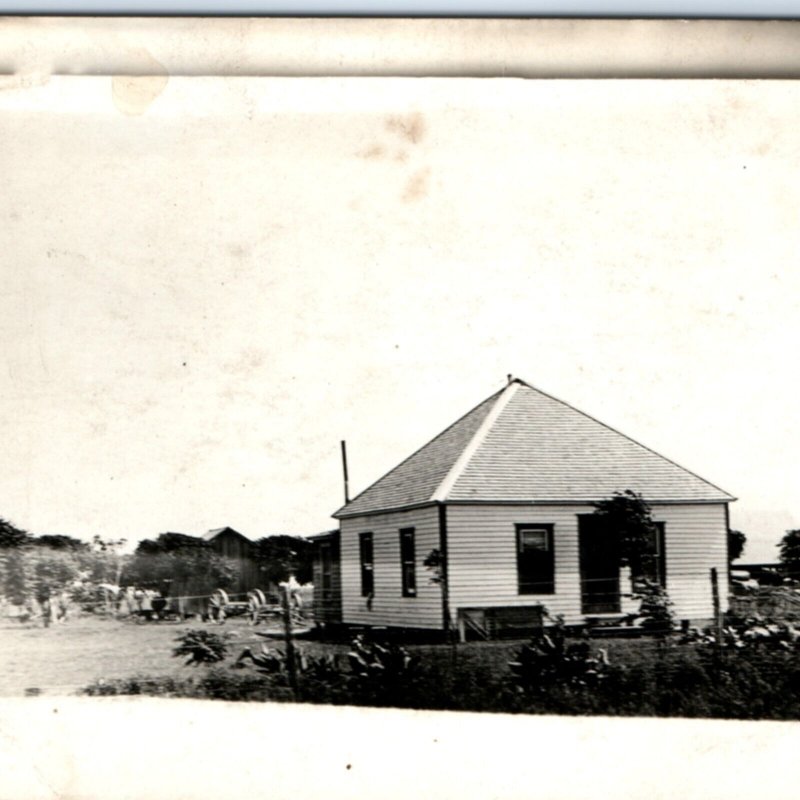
(367, 575)
(653, 562)
(407, 562)
(535, 562)
(326, 569)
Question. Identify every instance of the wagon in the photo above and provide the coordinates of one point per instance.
(258, 606)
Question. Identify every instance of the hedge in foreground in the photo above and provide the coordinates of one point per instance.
(677, 682)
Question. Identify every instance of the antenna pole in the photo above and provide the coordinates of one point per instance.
(344, 467)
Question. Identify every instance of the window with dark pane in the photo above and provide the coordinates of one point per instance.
(535, 562)
(408, 562)
(654, 566)
(367, 572)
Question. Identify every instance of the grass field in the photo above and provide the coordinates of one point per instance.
(64, 658)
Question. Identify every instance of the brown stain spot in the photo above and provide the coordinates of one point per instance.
(417, 186)
(134, 94)
(246, 361)
(373, 152)
(410, 127)
(238, 250)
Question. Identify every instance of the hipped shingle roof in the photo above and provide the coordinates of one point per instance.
(522, 445)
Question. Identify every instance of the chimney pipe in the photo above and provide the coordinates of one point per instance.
(344, 466)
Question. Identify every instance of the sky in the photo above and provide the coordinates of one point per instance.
(208, 283)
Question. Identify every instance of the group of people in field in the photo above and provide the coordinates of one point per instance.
(136, 601)
(53, 605)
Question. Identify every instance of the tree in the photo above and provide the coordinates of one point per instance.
(177, 557)
(736, 542)
(59, 541)
(11, 536)
(170, 542)
(630, 518)
(28, 572)
(281, 555)
(790, 552)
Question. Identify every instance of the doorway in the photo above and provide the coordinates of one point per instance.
(599, 566)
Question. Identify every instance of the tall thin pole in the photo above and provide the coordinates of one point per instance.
(344, 467)
(291, 660)
(717, 611)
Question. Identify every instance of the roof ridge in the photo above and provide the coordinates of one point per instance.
(459, 465)
(624, 435)
(422, 447)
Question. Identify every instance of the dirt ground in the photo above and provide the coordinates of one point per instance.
(65, 657)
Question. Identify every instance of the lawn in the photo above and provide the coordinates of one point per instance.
(64, 658)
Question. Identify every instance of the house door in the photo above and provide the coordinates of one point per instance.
(599, 563)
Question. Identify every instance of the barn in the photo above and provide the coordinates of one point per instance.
(235, 546)
(492, 521)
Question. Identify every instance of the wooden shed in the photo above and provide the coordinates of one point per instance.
(500, 505)
(231, 544)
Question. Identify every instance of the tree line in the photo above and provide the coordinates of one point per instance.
(38, 566)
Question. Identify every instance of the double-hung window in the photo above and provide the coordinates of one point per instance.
(408, 563)
(535, 562)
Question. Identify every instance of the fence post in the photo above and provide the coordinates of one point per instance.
(717, 611)
(291, 663)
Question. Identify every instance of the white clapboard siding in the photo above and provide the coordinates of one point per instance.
(696, 539)
(482, 556)
(389, 607)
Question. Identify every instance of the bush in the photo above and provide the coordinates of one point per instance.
(655, 611)
(202, 647)
(548, 660)
(142, 685)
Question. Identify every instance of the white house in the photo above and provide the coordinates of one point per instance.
(506, 495)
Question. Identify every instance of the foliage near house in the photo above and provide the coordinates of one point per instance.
(736, 543)
(629, 516)
(282, 555)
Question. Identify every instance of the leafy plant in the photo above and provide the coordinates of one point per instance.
(202, 647)
(754, 634)
(736, 543)
(629, 517)
(383, 663)
(548, 660)
(655, 611)
(434, 562)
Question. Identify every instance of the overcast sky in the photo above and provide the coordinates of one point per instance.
(207, 285)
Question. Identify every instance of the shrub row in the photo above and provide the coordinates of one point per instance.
(691, 681)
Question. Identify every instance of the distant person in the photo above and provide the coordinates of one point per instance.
(147, 604)
(45, 606)
(138, 601)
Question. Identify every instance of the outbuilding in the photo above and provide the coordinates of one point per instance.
(492, 521)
